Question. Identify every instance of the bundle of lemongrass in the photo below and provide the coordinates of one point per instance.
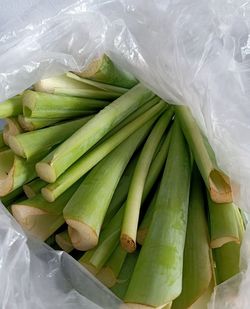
(109, 168)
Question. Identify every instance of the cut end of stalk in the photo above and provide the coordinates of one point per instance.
(82, 236)
(48, 194)
(128, 243)
(11, 128)
(92, 68)
(24, 124)
(28, 191)
(141, 235)
(63, 244)
(219, 187)
(26, 215)
(45, 172)
(7, 168)
(16, 147)
(107, 277)
(217, 243)
(29, 102)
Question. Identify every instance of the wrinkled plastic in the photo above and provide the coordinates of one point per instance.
(194, 52)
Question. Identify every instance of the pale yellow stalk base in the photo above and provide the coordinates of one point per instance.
(219, 187)
(217, 243)
(82, 235)
(45, 172)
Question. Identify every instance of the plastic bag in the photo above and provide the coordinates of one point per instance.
(194, 52)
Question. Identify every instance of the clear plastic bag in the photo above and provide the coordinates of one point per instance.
(194, 52)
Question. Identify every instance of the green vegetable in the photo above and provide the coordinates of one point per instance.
(34, 187)
(39, 217)
(197, 269)
(45, 105)
(223, 223)
(11, 107)
(15, 171)
(133, 203)
(102, 86)
(83, 165)
(57, 162)
(104, 70)
(122, 282)
(11, 128)
(121, 191)
(217, 183)
(8, 199)
(64, 242)
(31, 124)
(108, 275)
(157, 278)
(29, 144)
(86, 209)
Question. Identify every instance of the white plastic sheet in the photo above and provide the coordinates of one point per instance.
(195, 52)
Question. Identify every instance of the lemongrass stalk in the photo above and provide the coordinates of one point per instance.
(223, 221)
(227, 260)
(109, 273)
(31, 124)
(197, 269)
(56, 163)
(102, 86)
(12, 197)
(33, 188)
(91, 94)
(83, 165)
(217, 183)
(96, 258)
(15, 171)
(155, 168)
(30, 144)
(39, 217)
(86, 209)
(139, 112)
(122, 282)
(144, 226)
(104, 70)
(11, 107)
(157, 278)
(121, 191)
(64, 242)
(133, 203)
(2, 143)
(45, 105)
(11, 128)
(49, 85)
